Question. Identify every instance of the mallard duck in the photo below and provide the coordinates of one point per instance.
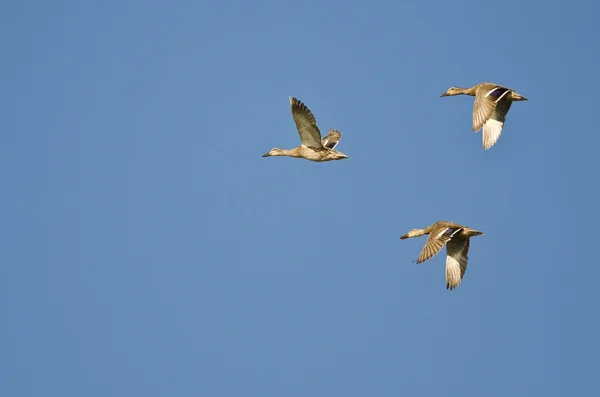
(456, 239)
(492, 102)
(313, 147)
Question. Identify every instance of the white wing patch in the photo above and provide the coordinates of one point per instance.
(491, 133)
(456, 262)
(453, 272)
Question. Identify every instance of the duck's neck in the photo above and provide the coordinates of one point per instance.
(282, 152)
(465, 91)
(286, 152)
(417, 232)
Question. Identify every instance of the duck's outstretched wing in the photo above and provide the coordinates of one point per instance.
(486, 98)
(436, 241)
(457, 251)
(306, 124)
(493, 126)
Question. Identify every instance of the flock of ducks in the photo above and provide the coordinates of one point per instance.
(492, 103)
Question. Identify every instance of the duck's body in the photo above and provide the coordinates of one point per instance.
(313, 148)
(492, 103)
(308, 153)
(456, 238)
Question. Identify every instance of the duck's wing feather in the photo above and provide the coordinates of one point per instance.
(457, 251)
(493, 126)
(436, 241)
(486, 98)
(332, 139)
(306, 124)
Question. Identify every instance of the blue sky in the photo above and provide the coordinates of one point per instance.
(149, 249)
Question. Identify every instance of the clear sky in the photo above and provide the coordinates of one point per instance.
(149, 250)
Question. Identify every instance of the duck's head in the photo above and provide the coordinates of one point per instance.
(274, 152)
(412, 233)
(451, 91)
(340, 156)
(517, 97)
